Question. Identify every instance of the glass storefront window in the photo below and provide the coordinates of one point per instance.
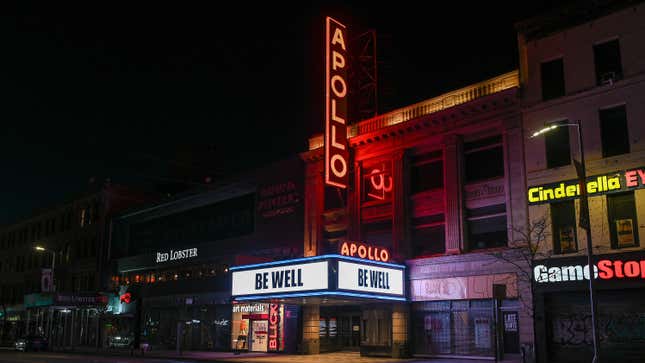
(463, 327)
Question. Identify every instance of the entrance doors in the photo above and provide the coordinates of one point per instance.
(340, 328)
(350, 333)
(259, 335)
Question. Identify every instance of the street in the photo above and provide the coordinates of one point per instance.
(344, 357)
(15, 357)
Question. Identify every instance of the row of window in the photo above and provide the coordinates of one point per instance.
(79, 250)
(621, 215)
(483, 159)
(47, 227)
(608, 67)
(171, 274)
(614, 136)
(11, 294)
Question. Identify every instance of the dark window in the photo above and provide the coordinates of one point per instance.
(487, 227)
(426, 175)
(484, 159)
(428, 241)
(335, 198)
(608, 64)
(377, 181)
(613, 126)
(552, 79)
(558, 151)
(378, 233)
(623, 225)
(563, 219)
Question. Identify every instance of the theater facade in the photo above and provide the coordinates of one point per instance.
(414, 255)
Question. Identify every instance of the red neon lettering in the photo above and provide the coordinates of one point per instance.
(362, 251)
(604, 270)
(273, 326)
(641, 173)
(338, 62)
(338, 38)
(336, 108)
(632, 269)
(631, 180)
(385, 256)
(352, 249)
(344, 250)
(618, 269)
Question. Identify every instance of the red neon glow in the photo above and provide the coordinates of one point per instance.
(125, 298)
(336, 149)
(274, 319)
(361, 250)
(608, 269)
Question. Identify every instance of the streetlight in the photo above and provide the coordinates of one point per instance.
(43, 249)
(584, 221)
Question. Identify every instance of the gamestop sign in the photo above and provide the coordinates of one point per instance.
(281, 279)
(336, 149)
(621, 268)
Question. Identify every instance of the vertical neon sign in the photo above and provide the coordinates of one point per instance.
(336, 149)
(274, 320)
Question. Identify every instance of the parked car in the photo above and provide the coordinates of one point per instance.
(31, 343)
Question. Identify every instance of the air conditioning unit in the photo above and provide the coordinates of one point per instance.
(608, 78)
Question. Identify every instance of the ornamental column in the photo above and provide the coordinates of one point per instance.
(453, 193)
(314, 205)
(400, 176)
(310, 329)
(400, 329)
(514, 177)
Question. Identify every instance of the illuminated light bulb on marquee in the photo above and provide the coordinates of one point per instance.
(362, 250)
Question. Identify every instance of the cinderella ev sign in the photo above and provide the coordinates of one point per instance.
(326, 275)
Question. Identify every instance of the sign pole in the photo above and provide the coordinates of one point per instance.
(585, 223)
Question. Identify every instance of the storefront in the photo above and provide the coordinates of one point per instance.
(261, 327)
(12, 324)
(466, 306)
(67, 319)
(563, 315)
(317, 304)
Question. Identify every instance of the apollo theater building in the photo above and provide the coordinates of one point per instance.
(411, 220)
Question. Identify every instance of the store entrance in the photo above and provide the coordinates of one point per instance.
(340, 328)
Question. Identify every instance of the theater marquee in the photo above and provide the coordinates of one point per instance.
(618, 181)
(336, 92)
(326, 275)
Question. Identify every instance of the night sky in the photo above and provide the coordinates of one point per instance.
(133, 92)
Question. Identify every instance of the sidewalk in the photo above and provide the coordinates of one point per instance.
(336, 357)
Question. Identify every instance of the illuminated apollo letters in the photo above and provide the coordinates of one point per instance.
(361, 250)
(336, 148)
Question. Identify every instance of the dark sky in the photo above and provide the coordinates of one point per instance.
(119, 90)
